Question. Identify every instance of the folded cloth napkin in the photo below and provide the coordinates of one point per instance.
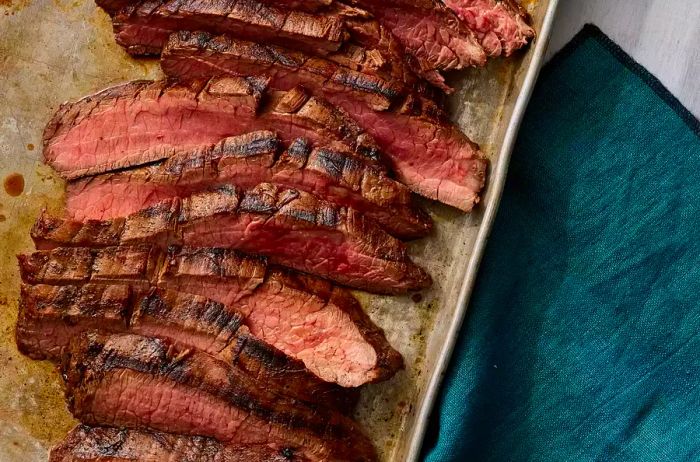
(582, 341)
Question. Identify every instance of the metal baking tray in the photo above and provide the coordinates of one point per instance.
(57, 50)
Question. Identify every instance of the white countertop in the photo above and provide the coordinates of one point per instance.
(662, 35)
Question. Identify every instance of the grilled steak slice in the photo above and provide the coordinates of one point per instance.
(433, 158)
(429, 31)
(135, 265)
(146, 121)
(143, 27)
(139, 382)
(109, 444)
(290, 227)
(429, 35)
(329, 172)
(308, 319)
(429, 154)
(50, 316)
(502, 27)
(200, 55)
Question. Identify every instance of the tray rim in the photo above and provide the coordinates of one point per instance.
(499, 174)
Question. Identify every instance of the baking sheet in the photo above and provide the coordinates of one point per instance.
(57, 50)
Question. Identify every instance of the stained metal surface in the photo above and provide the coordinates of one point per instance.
(57, 50)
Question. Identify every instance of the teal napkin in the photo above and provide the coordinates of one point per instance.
(582, 339)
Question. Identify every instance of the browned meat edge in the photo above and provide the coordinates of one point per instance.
(331, 172)
(114, 380)
(220, 274)
(252, 221)
(49, 316)
(142, 27)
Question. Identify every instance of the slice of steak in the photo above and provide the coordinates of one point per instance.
(145, 383)
(330, 172)
(306, 318)
(145, 121)
(218, 329)
(50, 316)
(136, 266)
(429, 154)
(292, 228)
(434, 41)
(143, 27)
(432, 157)
(430, 32)
(386, 54)
(501, 26)
(200, 55)
(109, 444)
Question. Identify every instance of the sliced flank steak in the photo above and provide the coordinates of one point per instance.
(502, 26)
(331, 172)
(109, 444)
(200, 55)
(291, 228)
(428, 153)
(306, 318)
(322, 28)
(142, 27)
(433, 34)
(146, 121)
(126, 380)
(50, 316)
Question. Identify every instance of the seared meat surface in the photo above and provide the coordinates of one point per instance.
(331, 172)
(50, 316)
(144, 383)
(306, 318)
(290, 227)
(143, 27)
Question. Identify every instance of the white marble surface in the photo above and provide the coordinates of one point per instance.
(662, 35)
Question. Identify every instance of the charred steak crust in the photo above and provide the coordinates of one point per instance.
(75, 143)
(331, 172)
(327, 319)
(103, 372)
(143, 27)
(107, 444)
(143, 30)
(197, 55)
(292, 228)
(50, 316)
